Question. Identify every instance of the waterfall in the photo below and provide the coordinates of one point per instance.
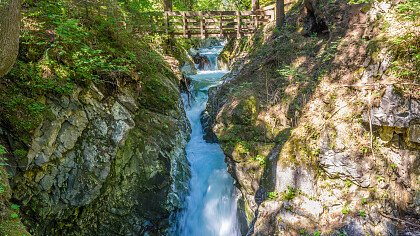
(211, 205)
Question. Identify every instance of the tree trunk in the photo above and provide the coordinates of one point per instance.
(279, 13)
(9, 34)
(255, 5)
(167, 5)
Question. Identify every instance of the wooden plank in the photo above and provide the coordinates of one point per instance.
(270, 7)
(221, 25)
(185, 24)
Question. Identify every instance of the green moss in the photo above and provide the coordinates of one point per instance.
(10, 223)
(158, 94)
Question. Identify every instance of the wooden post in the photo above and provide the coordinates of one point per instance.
(255, 5)
(257, 15)
(255, 8)
(202, 25)
(238, 20)
(167, 22)
(279, 13)
(185, 24)
(221, 25)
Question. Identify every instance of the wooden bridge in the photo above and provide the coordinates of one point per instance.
(222, 24)
(217, 23)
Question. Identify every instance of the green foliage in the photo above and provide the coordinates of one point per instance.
(15, 207)
(348, 183)
(2, 163)
(317, 233)
(287, 71)
(359, 1)
(242, 147)
(394, 166)
(406, 49)
(364, 201)
(2, 150)
(261, 159)
(409, 9)
(303, 232)
(289, 194)
(330, 51)
(273, 195)
(380, 178)
(20, 153)
(345, 210)
(14, 215)
(61, 49)
(362, 213)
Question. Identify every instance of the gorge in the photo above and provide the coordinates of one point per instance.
(307, 126)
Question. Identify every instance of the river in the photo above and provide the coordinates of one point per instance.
(211, 204)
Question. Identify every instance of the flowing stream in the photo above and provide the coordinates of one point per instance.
(211, 205)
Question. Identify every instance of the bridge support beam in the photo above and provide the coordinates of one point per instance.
(238, 22)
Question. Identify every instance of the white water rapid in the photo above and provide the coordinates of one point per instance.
(211, 204)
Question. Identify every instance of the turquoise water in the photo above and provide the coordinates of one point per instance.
(211, 205)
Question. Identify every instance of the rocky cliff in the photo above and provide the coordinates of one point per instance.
(320, 121)
(93, 124)
(105, 164)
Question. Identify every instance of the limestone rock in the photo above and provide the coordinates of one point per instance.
(394, 110)
(341, 165)
(414, 133)
(105, 165)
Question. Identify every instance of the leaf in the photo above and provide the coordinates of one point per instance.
(2, 150)
(15, 207)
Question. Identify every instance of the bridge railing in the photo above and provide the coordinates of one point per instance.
(209, 23)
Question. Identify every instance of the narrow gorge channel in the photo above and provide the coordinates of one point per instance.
(211, 205)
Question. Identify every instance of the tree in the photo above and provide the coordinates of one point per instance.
(255, 5)
(167, 5)
(280, 13)
(9, 34)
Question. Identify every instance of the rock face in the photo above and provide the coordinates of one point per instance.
(202, 61)
(9, 34)
(104, 164)
(397, 112)
(299, 141)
